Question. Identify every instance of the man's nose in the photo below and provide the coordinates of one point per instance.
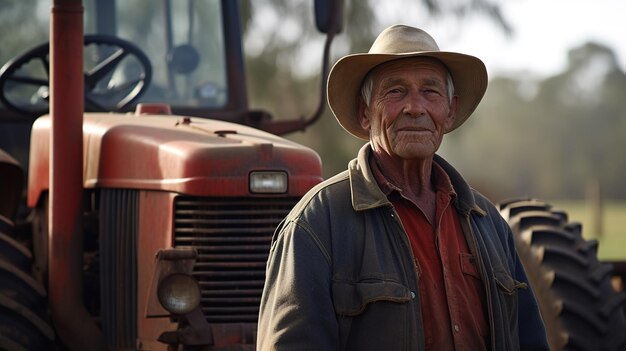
(414, 104)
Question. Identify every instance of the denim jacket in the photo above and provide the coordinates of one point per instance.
(340, 274)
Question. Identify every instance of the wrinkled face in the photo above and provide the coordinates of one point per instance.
(409, 110)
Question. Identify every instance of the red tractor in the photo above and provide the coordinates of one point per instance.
(153, 190)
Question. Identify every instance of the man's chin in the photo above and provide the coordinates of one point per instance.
(420, 152)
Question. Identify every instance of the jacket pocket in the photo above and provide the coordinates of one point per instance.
(374, 315)
(352, 298)
(506, 283)
(506, 303)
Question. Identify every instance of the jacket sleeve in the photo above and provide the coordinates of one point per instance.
(296, 311)
(532, 332)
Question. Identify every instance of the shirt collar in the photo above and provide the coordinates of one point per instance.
(366, 193)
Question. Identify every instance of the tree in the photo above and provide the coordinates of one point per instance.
(552, 143)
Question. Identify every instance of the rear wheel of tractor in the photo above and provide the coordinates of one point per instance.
(23, 309)
(580, 308)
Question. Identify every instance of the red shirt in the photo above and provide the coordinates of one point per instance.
(451, 292)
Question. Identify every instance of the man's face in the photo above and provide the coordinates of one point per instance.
(409, 110)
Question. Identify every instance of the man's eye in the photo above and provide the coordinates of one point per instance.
(432, 92)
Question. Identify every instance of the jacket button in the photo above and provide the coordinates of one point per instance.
(412, 294)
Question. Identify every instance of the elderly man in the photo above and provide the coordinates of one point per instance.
(398, 252)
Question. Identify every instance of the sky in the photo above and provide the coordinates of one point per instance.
(544, 31)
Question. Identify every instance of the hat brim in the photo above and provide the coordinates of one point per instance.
(344, 84)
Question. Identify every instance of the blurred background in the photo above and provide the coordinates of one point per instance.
(552, 124)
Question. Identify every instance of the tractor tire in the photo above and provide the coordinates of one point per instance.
(580, 308)
(24, 321)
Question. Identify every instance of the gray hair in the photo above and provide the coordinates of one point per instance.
(368, 86)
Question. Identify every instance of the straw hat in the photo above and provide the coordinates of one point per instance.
(399, 41)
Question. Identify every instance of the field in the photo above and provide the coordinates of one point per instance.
(612, 235)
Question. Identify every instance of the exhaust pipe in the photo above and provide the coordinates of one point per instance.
(75, 326)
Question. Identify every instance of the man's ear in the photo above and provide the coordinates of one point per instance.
(363, 115)
(452, 113)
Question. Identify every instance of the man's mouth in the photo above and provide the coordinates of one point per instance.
(416, 130)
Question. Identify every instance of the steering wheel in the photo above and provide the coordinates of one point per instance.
(116, 74)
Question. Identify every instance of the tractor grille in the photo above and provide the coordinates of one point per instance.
(232, 237)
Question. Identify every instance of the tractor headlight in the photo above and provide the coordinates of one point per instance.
(268, 182)
(179, 293)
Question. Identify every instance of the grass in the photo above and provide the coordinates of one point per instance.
(611, 232)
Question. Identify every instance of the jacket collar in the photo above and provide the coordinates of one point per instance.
(366, 194)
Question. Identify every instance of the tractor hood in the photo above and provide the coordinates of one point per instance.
(193, 156)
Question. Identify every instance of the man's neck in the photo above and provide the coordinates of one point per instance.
(412, 177)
